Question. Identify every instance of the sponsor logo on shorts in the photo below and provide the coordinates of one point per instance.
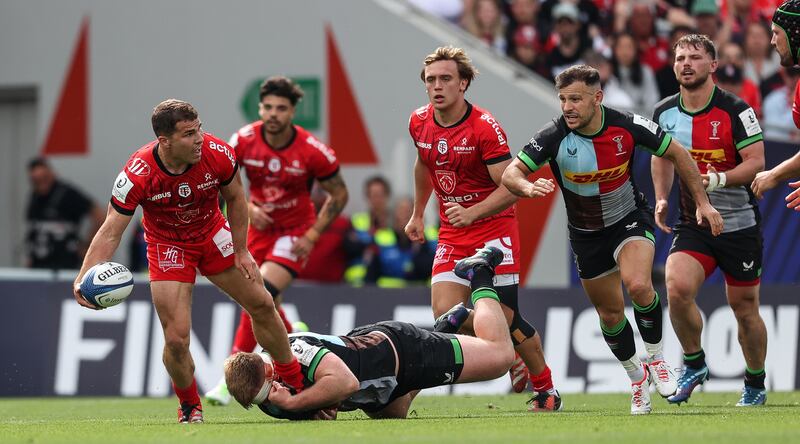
(224, 241)
(631, 226)
(748, 266)
(605, 175)
(443, 253)
(446, 180)
(448, 378)
(169, 257)
(139, 167)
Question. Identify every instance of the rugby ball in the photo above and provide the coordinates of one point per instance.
(107, 284)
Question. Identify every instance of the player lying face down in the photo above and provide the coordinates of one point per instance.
(379, 368)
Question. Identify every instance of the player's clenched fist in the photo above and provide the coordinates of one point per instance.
(415, 229)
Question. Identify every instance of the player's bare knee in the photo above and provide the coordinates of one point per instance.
(610, 317)
(260, 307)
(176, 344)
(640, 290)
(679, 294)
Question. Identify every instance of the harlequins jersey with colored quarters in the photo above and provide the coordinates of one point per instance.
(714, 135)
(593, 171)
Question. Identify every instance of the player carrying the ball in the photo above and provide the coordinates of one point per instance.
(177, 179)
(380, 368)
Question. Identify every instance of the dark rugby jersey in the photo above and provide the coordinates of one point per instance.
(593, 171)
(714, 135)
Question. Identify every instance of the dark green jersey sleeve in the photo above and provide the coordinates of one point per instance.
(648, 134)
(543, 146)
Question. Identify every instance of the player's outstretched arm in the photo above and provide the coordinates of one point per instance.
(515, 179)
(333, 383)
(769, 179)
(333, 206)
(415, 228)
(102, 248)
(233, 193)
(687, 170)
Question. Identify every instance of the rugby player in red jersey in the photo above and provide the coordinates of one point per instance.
(462, 152)
(177, 179)
(281, 161)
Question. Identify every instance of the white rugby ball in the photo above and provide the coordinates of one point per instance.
(107, 284)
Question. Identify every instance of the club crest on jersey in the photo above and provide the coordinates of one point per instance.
(446, 180)
(139, 167)
(274, 165)
(442, 146)
(184, 190)
(618, 139)
(714, 128)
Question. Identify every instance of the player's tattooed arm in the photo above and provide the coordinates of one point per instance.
(333, 206)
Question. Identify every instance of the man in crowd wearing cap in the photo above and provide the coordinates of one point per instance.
(567, 33)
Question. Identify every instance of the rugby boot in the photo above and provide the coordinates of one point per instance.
(663, 379)
(519, 374)
(190, 413)
(451, 321)
(487, 256)
(752, 396)
(545, 402)
(690, 378)
(640, 394)
(219, 395)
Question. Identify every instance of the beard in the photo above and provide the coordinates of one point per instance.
(697, 82)
(274, 127)
(786, 59)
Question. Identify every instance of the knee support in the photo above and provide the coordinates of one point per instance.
(520, 328)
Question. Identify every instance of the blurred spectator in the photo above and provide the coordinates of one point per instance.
(569, 45)
(524, 14)
(665, 77)
(778, 121)
(707, 20)
(397, 260)
(738, 14)
(761, 62)
(55, 213)
(485, 21)
(733, 80)
(378, 193)
(588, 16)
(330, 256)
(449, 10)
(527, 50)
(639, 20)
(613, 94)
(634, 77)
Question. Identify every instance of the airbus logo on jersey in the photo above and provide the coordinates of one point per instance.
(160, 196)
(442, 146)
(496, 127)
(423, 145)
(139, 167)
(708, 156)
(184, 190)
(253, 163)
(605, 175)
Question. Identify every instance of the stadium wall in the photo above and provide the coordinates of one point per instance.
(52, 346)
(98, 67)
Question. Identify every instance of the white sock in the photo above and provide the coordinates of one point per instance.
(655, 351)
(634, 369)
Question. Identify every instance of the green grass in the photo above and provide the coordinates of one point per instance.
(709, 418)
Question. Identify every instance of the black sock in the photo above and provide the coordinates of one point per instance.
(755, 378)
(696, 360)
(620, 339)
(483, 277)
(649, 320)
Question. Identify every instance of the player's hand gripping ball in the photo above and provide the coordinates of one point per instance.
(107, 284)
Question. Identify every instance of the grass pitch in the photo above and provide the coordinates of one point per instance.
(709, 418)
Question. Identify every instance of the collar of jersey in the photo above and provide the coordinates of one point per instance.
(600, 130)
(164, 168)
(288, 144)
(460, 121)
(705, 107)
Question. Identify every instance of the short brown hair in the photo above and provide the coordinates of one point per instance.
(578, 73)
(244, 375)
(168, 113)
(466, 70)
(697, 41)
(282, 87)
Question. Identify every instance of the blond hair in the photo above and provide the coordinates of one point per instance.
(466, 70)
(244, 374)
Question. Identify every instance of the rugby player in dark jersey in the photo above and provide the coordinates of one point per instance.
(590, 149)
(379, 368)
(724, 137)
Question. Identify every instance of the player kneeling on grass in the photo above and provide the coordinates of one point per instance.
(379, 368)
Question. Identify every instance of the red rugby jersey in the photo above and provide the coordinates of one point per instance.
(281, 178)
(457, 156)
(178, 208)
